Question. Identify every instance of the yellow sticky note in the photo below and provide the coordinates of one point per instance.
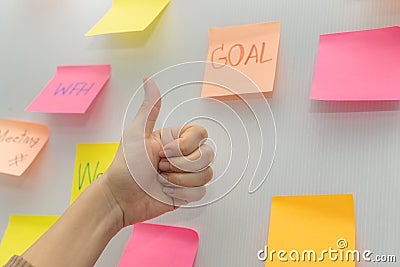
(21, 233)
(251, 49)
(20, 143)
(316, 230)
(129, 16)
(91, 161)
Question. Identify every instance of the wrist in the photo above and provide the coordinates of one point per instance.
(113, 210)
(84, 229)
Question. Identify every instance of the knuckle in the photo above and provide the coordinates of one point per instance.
(147, 104)
(184, 128)
(177, 180)
(144, 107)
(169, 177)
(205, 176)
(208, 152)
(202, 131)
(209, 174)
(184, 147)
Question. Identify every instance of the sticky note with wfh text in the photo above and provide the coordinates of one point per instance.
(129, 16)
(153, 245)
(250, 49)
(314, 230)
(72, 89)
(91, 161)
(358, 66)
(22, 231)
(20, 143)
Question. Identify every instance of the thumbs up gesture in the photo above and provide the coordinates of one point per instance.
(157, 171)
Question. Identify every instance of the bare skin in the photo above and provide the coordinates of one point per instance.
(172, 164)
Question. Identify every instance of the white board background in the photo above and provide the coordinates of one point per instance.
(322, 147)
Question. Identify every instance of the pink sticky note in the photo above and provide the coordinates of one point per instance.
(154, 245)
(20, 143)
(361, 65)
(72, 89)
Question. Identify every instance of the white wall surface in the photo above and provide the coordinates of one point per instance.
(322, 147)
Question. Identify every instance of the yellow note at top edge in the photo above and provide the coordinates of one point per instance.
(309, 229)
(22, 231)
(91, 161)
(129, 16)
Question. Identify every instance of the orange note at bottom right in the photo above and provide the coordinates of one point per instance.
(315, 230)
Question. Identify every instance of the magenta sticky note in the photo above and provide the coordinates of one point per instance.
(72, 89)
(153, 245)
(356, 66)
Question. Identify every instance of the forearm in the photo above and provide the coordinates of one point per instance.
(81, 234)
(116, 199)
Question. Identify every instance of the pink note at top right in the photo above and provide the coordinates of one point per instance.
(358, 66)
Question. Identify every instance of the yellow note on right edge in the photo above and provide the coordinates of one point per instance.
(315, 230)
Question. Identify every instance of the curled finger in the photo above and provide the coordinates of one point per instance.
(189, 194)
(184, 179)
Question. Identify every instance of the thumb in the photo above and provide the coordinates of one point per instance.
(148, 112)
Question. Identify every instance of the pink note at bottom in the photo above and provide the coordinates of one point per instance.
(153, 245)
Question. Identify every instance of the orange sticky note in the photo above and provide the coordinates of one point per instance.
(316, 230)
(20, 143)
(251, 49)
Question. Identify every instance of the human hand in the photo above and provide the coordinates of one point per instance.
(156, 171)
(131, 190)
